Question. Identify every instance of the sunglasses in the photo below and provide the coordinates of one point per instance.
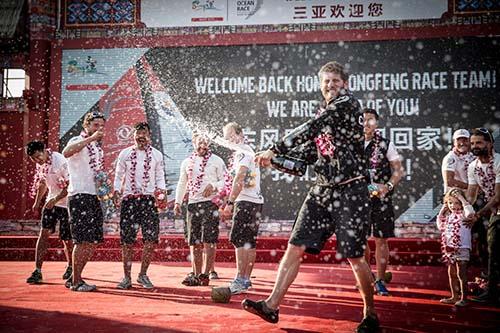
(485, 131)
(96, 115)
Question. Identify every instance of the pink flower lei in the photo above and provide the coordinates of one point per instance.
(41, 173)
(454, 220)
(96, 159)
(147, 168)
(465, 156)
(228, 178)
(324, 141)
(194, 186)
(375, 156)
(486, 179)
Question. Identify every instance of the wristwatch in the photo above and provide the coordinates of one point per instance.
(390, 186)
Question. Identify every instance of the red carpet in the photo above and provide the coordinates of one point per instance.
(404, 251)
(322, 299)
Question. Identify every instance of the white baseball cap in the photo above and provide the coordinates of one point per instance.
(461, 133)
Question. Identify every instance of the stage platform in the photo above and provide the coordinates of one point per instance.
(404, 251)
(322, 299)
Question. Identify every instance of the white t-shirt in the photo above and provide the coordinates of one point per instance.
(214, 174)
(457, 164)
(57, 172)
(123, 180)
(246, 158)
(474, 178)
(465, 232)
(81, 175)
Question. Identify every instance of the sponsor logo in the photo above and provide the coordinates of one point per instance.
(124, 133)
(89, 67)
(204, 5)
(248, 7)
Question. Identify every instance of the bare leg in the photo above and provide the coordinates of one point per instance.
(212, 265)
(82, 253)
(367, 253)
(41, 247)
(68, 246)
(89, 253)
(287, 272)
(462, 277)
(363, 275)
(240, 261)
(381, 256)
(245, 259)
(454, 283)
(197, 258)
(209, 257)
(127, 256)
(147, 255)
(250, 255)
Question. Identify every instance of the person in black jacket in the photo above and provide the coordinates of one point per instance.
(337, 203)
(384, 165)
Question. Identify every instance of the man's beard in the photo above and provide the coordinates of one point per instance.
(142, 142)
(201, 151)
(480, 152)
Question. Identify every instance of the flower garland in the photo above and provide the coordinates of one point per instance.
(147, 168)
(324, 143)
(466, 157)
(194, 186)
(41, 173)
(450, 223)
(228, 177)
(486, 179)
(96, 160)
(376, 153)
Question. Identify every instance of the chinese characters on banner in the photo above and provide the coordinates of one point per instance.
(158, 13)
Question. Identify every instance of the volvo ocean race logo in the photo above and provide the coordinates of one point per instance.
(247, 7)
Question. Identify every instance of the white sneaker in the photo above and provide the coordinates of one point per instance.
(145, 281)
(125, 283)
(83, 287)
(237, 287)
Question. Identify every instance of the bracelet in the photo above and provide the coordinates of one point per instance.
(229, 202)
(390, 186)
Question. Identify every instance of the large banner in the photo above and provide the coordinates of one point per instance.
(423, 90)
(185, 13)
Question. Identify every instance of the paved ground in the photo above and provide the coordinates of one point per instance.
(323, 299)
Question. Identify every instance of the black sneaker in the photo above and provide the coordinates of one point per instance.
(260, 309)
(69, 282)
(204, 279)
(35, 278)
(485, 298)
(67, 274)
(191, 280)
(369, 324)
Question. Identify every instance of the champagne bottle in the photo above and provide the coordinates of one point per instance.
(289, 165)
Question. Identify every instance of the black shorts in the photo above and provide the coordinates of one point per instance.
(86, 218)
(138, 212)
(381, 218)
(202, 223)
(50, 218)
(343, 210)
(246, 220)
